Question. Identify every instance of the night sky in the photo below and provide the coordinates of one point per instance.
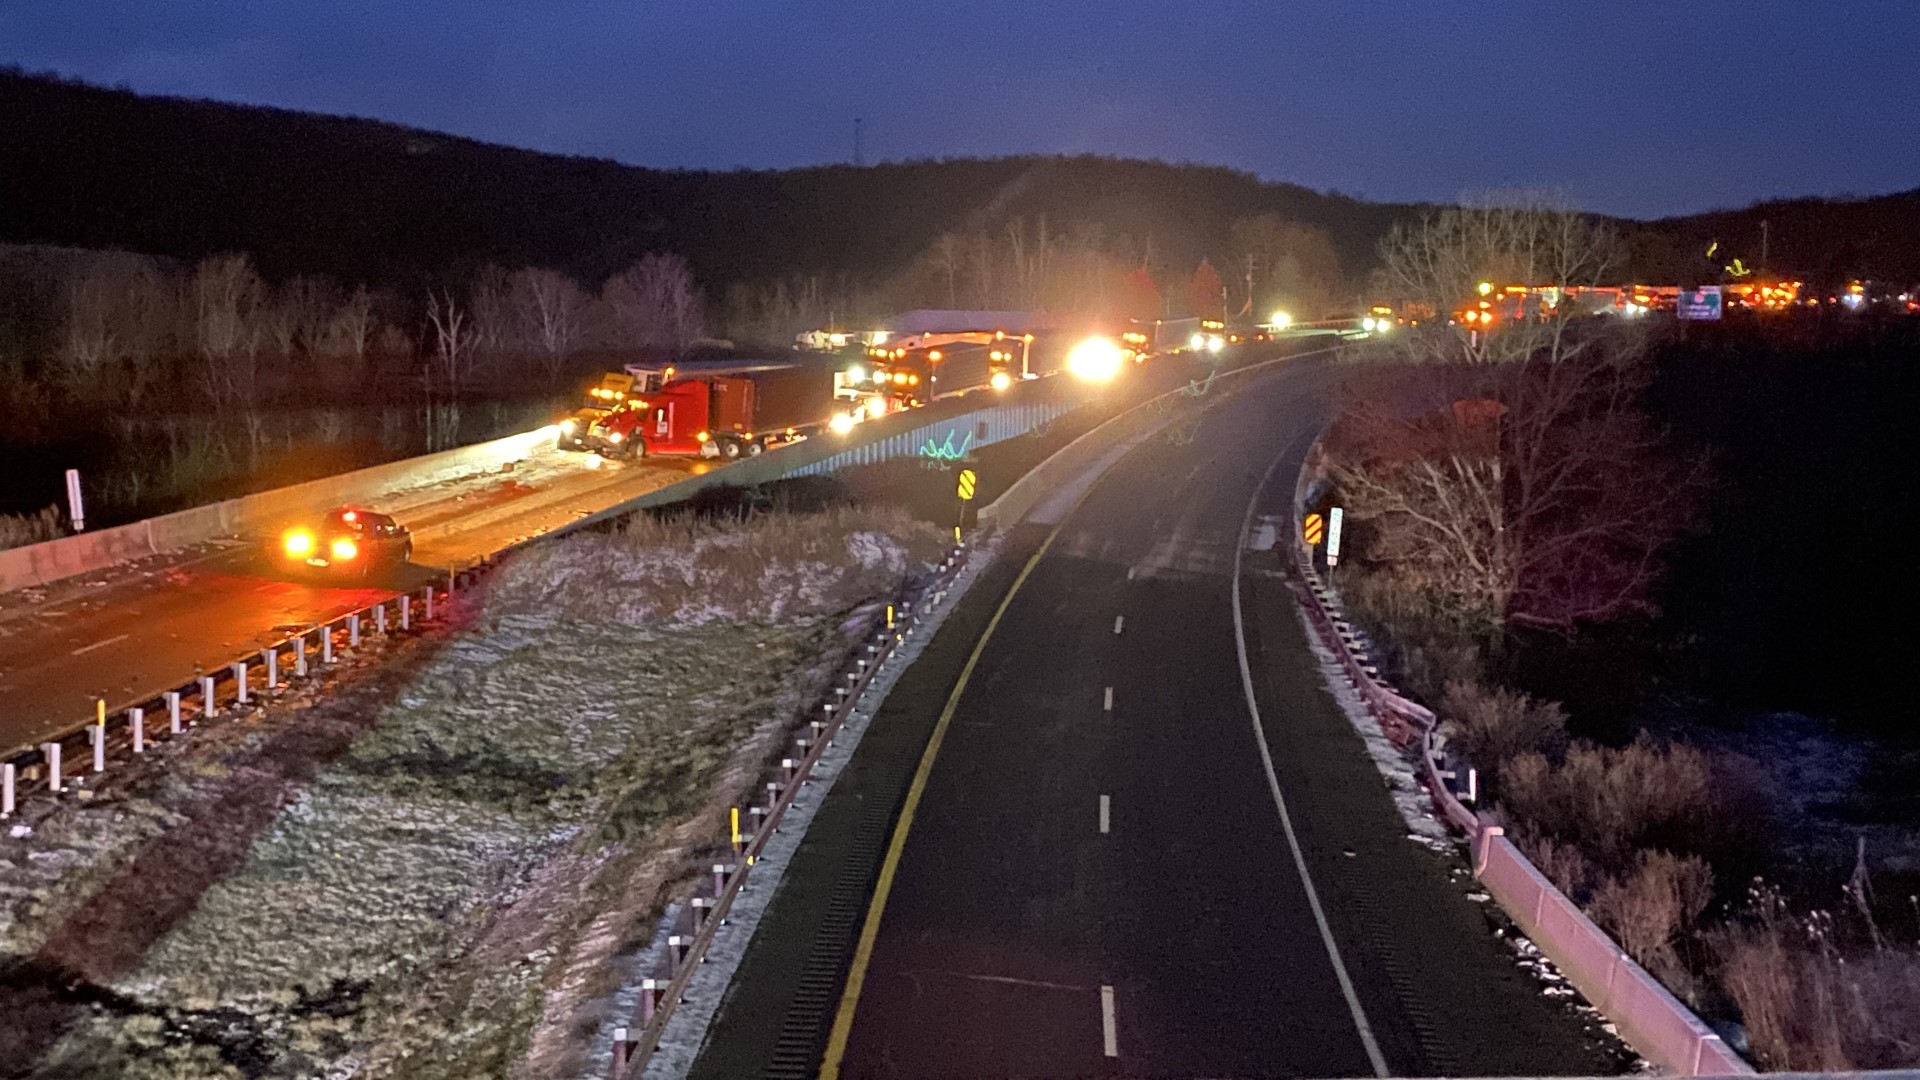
(1632, 107)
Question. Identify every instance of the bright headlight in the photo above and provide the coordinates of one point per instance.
(1197, 342)
(1000, 381)
(297, 543)
(856, 373)
(614, 437)
(1095, 360)
(1281, 320)
(1216, 343)
(841, 423)
(569, 425)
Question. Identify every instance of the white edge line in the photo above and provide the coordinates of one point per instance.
(1109, 1037)
(1118, 622)
(1108, 703)
(1374, 1057)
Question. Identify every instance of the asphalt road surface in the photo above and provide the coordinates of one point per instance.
(133, 632)
(1099, 880)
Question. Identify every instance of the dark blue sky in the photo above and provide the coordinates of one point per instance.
(1631, 106)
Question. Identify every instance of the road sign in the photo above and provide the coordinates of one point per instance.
(1701, 303)
(967, 483)
(1334, 517)
(1315, 529)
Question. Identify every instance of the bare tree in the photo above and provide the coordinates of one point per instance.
(226, 296)
(452, 360)
(946, 254)
(118, 315)
(1284, 264)
(349, 329)
(1537, 496)
(1440, 262)
(552, 313)
(654, 304)
(496, 325)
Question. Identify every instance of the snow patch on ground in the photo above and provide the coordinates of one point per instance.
(1410, 797)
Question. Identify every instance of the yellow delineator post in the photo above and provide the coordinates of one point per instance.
(733, 815)
(968, 483)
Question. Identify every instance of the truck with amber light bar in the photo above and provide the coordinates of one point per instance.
(601, 398)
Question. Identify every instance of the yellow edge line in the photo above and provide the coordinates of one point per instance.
(870, 931)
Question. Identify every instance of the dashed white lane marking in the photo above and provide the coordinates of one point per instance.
(1118, 622)
(1130, 572)
(1109, 1038)
(99, 645)
(1106, 812)
(1108, 704)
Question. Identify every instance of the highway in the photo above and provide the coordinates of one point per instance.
(1137, 853)
(137, 631)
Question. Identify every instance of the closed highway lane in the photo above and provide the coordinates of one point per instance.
(1135, 856)
(139, 632)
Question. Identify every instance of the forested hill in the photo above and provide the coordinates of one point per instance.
(363, 200)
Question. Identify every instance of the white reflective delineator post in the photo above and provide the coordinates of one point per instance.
(271, 655)
(97, 735)
(326, 644)
(353, 629)
(300, 656)
(76, 508)
(406, 611)
(6, 790)
(52, 752)
(240, 680)
(173, 711)
(137, 718)
(206, 697)
(1334, 517)
(380, 618)
(429, 603)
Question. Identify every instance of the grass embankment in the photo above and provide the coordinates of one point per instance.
(435, 901)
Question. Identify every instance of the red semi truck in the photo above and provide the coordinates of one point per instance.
(724, 410)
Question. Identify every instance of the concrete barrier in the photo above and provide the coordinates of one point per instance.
(90, 552)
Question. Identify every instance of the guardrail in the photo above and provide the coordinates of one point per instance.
(1654, 1022)
(175, 709)
(694, 928)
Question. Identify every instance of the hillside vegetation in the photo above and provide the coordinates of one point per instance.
(373, 202)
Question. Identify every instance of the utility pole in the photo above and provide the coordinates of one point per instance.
(859, 156)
